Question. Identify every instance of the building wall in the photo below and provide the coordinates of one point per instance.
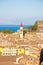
(9, 51)
(33, 53)
(40, 26)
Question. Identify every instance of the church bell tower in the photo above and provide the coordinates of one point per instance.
(21, 31)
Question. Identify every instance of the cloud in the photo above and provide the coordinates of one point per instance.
(6, 22)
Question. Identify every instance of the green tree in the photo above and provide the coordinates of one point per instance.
(7, 31)
(24, 31)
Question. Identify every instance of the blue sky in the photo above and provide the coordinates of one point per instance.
(13, 12)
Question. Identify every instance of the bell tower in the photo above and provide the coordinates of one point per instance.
(21, 30)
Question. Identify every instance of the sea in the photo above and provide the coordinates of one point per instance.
(12, 28)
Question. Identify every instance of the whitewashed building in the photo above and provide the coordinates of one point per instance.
(9, 51)
(27, 51)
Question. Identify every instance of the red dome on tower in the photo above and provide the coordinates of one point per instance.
(21, 25)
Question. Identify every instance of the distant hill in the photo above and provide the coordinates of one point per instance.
(32, 27)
